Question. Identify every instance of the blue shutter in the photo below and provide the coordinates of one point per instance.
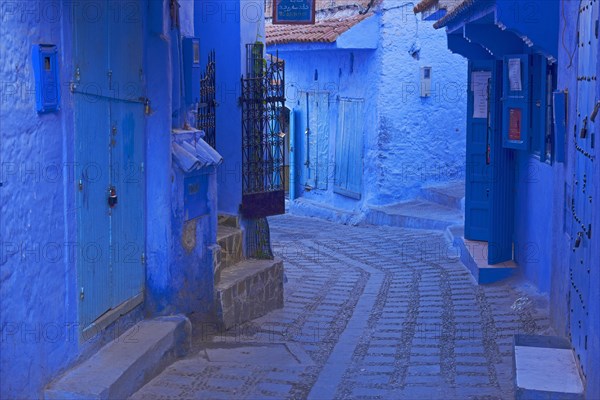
(318, 140)
(349, 148)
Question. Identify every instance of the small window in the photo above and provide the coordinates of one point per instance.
(47, 63)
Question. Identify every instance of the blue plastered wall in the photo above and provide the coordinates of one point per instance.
(418, 141)
(40, 334)
(562, 172)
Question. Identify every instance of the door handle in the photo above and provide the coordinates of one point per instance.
(112, 197)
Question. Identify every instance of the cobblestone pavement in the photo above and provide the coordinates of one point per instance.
(370, 312)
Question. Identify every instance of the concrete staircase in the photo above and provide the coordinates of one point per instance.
(124, 365)
(245, 289)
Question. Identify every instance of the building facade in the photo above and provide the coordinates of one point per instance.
(531, 128)
(110, 195)
(377, 114)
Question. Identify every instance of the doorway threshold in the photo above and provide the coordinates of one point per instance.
(474, 256)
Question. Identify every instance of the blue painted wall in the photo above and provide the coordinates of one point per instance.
(562, 173)
(419, 141)
(40, 335)
(227, 26)
(534, 202)
(409, 141)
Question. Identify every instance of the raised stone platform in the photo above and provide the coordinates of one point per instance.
(546, 368)
(230, 240)
(474, 254)
(248, 290)
(127, 363)
(416, 214)
(450, 195)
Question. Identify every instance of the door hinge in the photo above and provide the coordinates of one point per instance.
(81, 294)
(142, 167)
(143, 258)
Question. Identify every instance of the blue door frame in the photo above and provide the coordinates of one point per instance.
(109, 157)
(489, 194)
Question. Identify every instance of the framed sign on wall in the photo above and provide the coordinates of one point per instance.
(297, 12)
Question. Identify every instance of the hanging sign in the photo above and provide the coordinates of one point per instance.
(294, 12)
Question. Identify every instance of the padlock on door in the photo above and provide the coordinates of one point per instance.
(112, 197)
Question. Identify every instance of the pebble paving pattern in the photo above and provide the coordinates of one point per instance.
(430, 332)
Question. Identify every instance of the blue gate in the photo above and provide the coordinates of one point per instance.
(109, 103)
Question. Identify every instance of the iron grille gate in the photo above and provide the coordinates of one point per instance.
(263, 98)
(208, 104)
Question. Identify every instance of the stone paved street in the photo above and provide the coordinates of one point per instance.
(370, 312)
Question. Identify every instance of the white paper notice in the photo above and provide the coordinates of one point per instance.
(514, 74)
(479, 87)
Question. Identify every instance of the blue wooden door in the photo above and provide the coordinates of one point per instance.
(317, 140)
(127, 154)
(349, 148)
(502, 184)
(582, 202)
(109, 143)
(478, 170)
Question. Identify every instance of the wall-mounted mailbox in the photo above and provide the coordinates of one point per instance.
(195, 196)
(425, 81)
(191, 69)
(47, 84)
(516, 106)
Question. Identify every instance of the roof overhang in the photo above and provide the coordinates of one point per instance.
(501, 27)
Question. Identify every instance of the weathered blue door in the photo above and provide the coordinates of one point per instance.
(349, 148)
(317, 140)
(582, 201)
(502, 184)
(109, 141)
(478, 167)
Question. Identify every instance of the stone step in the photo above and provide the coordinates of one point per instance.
(232, 221)
(449, 194)
(416, 214)
(546, 368)
(248, 290)
(230, 240)
(474, 255)
(127, 363)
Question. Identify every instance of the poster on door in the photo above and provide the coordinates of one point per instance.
(480, 81)
(514, 124)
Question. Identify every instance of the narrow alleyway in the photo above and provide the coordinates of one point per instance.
(370, 312)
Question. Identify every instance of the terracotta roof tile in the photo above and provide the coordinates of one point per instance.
(324, 31)
(333, 18)
(452, 7)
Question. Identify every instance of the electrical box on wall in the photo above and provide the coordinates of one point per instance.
(191, 69)
(425, 81)
(45, 70)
